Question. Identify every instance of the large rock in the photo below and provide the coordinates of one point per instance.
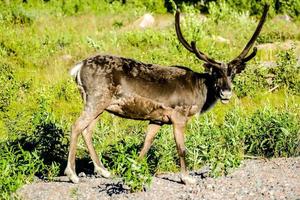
(147, 20)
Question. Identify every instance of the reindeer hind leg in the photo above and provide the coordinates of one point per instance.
(93, 108)
(98, 166)
(81, 123)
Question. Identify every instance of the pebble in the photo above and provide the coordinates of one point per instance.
(82, 175)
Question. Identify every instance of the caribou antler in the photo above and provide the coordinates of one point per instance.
(245, 51)
(192, 48)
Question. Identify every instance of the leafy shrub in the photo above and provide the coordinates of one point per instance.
(151, 5)
(287, 71)
(36, 145)
(223, 12)
(157, 6)
(278, 30)
(219, 145)
(286, 74)
(271, 133)
(17, 167)
(122, 158)
(15, 13)
(46, 136)
(250, 81)
(9, 86)
(137, 175)
(290, 7)
(267, 132)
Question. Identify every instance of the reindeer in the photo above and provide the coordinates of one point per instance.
(160, 95)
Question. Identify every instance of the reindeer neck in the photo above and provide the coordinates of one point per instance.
(211, 96)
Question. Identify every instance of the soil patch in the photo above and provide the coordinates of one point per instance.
(255, 179)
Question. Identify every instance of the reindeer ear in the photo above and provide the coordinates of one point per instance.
(238, 69)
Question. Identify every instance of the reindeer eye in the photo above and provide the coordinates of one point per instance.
(217, 74)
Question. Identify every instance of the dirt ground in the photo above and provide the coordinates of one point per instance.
(255, 179)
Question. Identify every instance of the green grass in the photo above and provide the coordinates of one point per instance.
(39, 101)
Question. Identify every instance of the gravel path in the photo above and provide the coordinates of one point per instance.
(256, 179)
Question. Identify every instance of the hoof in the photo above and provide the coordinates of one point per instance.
(102, 172)
(71, 175)
(188, 180)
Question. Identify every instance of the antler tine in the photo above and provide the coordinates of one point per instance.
(179, 34)
(251, 55)
(192, 48)
(254, 36)
(202, 56)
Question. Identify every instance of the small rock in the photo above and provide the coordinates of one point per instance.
(267, 46)
(66, 57)
(268, 64)
(221, 39)
(209, 186)
(284, 17)
(82, 175)
(202, 18)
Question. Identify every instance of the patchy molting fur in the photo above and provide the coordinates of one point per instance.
(145, 91)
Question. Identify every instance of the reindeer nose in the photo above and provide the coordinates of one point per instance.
(225, 94)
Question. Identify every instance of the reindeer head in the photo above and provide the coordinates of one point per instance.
(223, 73)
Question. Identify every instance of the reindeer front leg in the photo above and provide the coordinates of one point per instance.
(178, 128)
